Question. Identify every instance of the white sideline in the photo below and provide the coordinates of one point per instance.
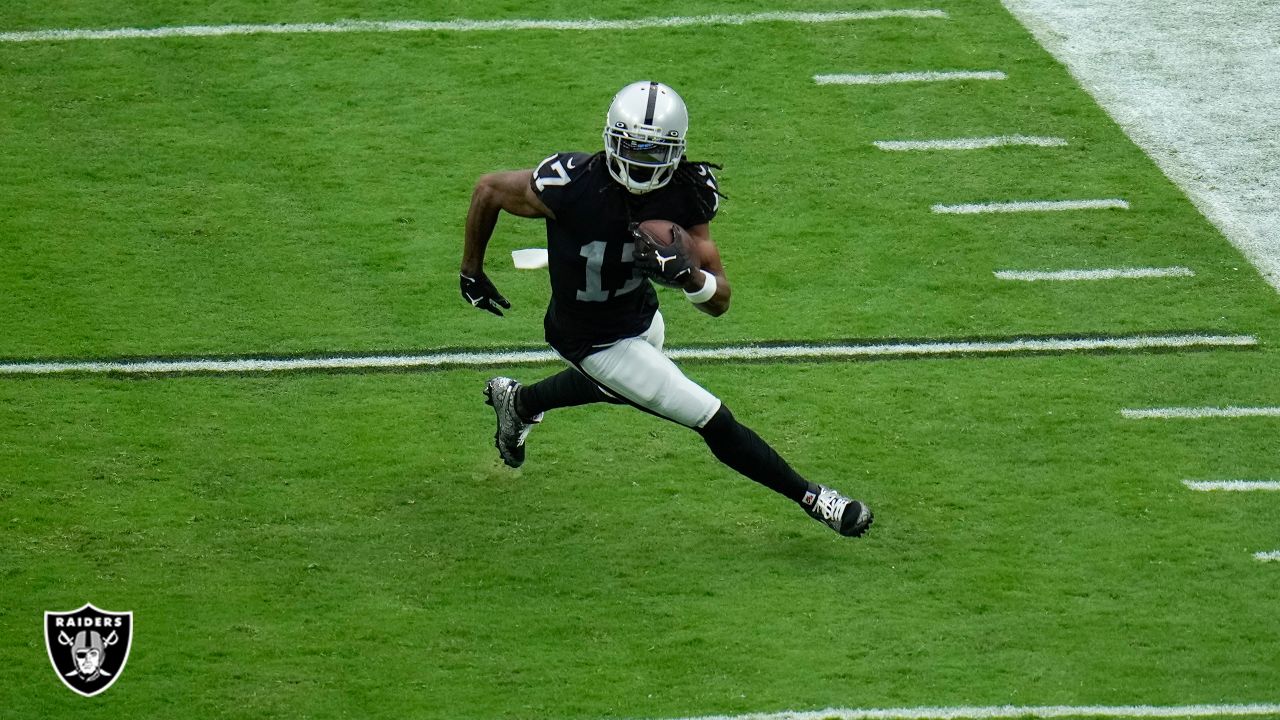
(1013, 711)
(1031, 206)
(1195, 413)
(1273, 556)
(1103, 274)
(1232, 485)
(980, 143)
(906, 77)
(1194, 85)
(740, 352)
(346, 26)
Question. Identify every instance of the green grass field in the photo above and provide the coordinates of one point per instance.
(348, 545)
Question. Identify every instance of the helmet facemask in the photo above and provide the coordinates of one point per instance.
(644, 136)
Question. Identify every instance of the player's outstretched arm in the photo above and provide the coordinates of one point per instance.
(706, 256)
(510, 191)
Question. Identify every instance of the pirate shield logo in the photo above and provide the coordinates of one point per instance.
(88, 647)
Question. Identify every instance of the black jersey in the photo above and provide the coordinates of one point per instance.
(597, 297)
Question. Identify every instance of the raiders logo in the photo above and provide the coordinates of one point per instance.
(88, 647)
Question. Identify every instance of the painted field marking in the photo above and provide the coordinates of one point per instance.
(1194, 85)
(1273, 556)
(1101, 274)
(738, 352)
(1232, 485)
(980, 143)
(1012, 711)
(907, 77)
(1032, 206)
(1195, 413)
(347, 26)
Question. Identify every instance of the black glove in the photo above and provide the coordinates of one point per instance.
(666, 264)
(482, 294)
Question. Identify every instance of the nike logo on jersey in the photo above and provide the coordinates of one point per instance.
(710, 181)
(571, 164)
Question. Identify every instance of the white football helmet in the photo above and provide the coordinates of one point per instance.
(644, 135)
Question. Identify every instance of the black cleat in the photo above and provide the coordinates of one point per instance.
(850, 518)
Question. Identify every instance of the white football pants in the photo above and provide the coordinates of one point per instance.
(636, 369)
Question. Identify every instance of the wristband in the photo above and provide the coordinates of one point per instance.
(704, 294)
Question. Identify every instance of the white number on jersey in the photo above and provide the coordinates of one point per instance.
(542, 183)
(594, 253)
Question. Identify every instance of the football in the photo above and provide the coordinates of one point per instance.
(660, 231)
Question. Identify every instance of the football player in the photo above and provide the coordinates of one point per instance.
(603, 315)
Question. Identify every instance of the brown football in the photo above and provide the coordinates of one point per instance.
(660, 230)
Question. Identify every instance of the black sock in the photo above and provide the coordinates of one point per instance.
(737, 446)
(566, 388)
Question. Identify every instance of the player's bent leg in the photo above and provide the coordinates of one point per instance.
(567, 388)
(739, 447)
(638, 372)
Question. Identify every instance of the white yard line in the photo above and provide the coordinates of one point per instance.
(907, 77)
(1101, 274)
(967, 347)
(1031, 206)
(1012, 711)
(1198, 413)
(1273, 556)
(741, 352)
(1195, 85)
(979, 143)
(1232, 485)
(347, 26)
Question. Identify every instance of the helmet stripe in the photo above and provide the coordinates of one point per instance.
(653, 102)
